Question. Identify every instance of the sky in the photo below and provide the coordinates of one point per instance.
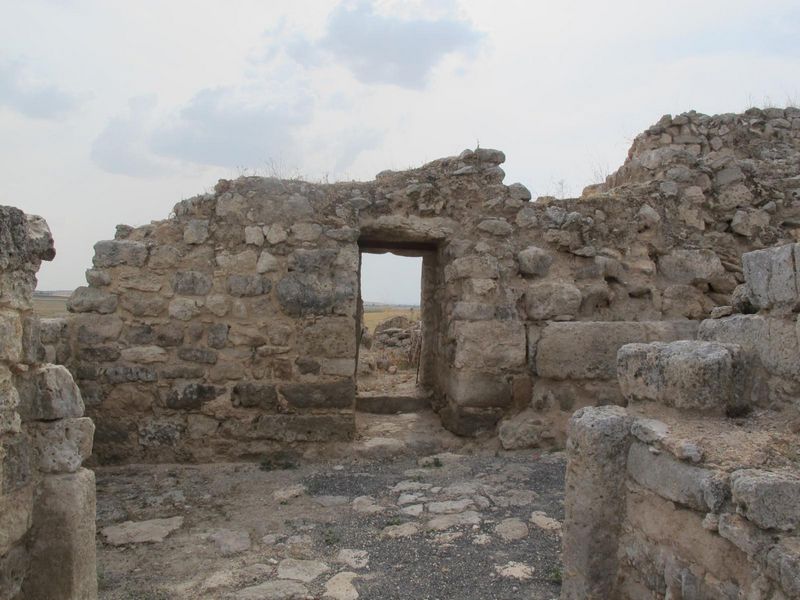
(113, 111)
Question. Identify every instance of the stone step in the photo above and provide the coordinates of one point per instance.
(388, 404)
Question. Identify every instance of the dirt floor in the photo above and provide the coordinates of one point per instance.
(408, 511)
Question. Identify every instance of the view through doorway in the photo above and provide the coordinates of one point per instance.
(395, 344)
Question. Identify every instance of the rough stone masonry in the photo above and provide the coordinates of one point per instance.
(47, 500)
(232, 327)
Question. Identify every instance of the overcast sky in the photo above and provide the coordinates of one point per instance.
(112, 111)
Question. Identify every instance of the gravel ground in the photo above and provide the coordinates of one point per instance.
(468, 524)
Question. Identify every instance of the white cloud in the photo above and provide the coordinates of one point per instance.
(234, 127)
(23, 93)
(122, 147)
(384, 48)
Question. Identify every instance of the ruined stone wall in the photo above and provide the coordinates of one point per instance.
(47, 506)
(231, 327)
(692, 491)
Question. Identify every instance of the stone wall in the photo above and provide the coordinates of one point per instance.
(47, 506)
(231, 327)
(692, 491)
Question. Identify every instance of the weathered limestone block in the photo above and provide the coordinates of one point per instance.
(302, 294)
(184, 309)
(744, 535)
(329, 337)
(143, 304)
(695, 487)
(680, 533)
(94, 329)
(10, 336)
(704, 376)
(191, 283)
(16, 510)
(47, 393)
(16, 463)
(521, 431)
(13, 570)
(197, 355)
(588, 349)
(499, 227)
(339, 394)
(489, 345)
(53, 330)
(248, 285)
(776, 342)
(597, 449)
(86, 299)
(552, 299)
(144, 354)
(534, 262)
(63, 552)
(478, 389)
(685, 266)
(481, 266)
(191, 396)
(784, 561)
(196, 231)
(112, 253)
(768, 499)
(773, 276)
(255, 395)
(62, 446)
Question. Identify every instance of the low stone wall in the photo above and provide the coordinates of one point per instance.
(691, 492)
(231, 327)
(47, 500)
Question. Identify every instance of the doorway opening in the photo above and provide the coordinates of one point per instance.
(398, 335)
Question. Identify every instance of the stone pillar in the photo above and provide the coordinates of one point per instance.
(63, 550)
(597, 448)
(430, 307)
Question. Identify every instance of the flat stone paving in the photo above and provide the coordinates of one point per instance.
(483, 525)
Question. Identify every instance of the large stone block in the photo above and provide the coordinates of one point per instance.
(191, 283)
(86, 299)
(62, 446)
(330, 337)
(773, 276)
(588, 349)
(597, 448)
(94, 329)
(534, 262)
(16, 463)
(704, 376)
(113, 253)
(248, 285)
(776, 342)
(305, 294)
(10, 336)
(191, 396)
(489, 345)
(479, 266)
(689, 267)
(48, 393)
(63, 562)
(551, 299)
(255, 395)
(339, 394)
(695, 487)
(143, 304)
(770, 500)
(16, 511)
(477, 389)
